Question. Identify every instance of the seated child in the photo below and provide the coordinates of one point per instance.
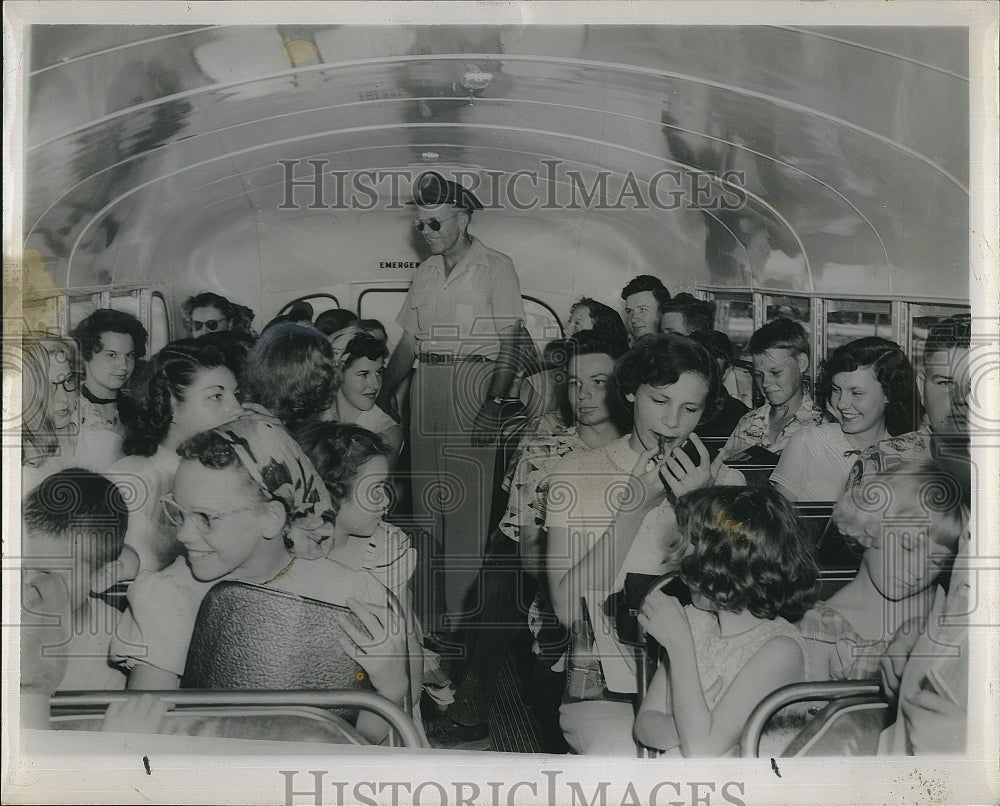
(74, 522)
(908, 520)
(354, 464)
(750, 575)
(248, 505)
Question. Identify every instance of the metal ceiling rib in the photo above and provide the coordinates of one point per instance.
(599, 113)
(561, 61)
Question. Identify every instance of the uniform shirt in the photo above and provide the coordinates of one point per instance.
(464, 313)
(752, 428)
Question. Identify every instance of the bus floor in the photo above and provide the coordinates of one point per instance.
(515, 723)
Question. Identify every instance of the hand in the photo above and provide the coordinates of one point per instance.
(645, 479)
(898, 652)
(684, 475)
(486, 425)
(46, 619)
(934, 724)
(719, 468)
(142, 714)
(381, 651)
(123, 569)
(663, 617)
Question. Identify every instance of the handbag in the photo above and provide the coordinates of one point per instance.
(584, 676)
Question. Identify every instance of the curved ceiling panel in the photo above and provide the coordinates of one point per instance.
(171, 149)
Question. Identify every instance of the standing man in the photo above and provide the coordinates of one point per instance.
(461, 320)
(645, 298)
(110, 343)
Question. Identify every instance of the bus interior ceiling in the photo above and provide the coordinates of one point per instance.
(179, 156)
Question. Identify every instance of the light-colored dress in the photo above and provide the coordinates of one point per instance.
(721, 658)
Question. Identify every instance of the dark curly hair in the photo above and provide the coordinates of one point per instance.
(750, 551)
(234, 344)
(892, 370)
(602, 318)
(147, 407)
(76, 501)
(698, 314)
(107, 320)
(591, 342)
(338, 451)
(647, 282)
(291, 371)
(240, 316)
(364, 345)
(659, 359)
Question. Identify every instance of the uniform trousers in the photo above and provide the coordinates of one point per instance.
(452, 486)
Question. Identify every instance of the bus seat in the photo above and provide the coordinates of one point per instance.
(285, 723)
(855, 714)
(815, 517)
(252, 637)
(301, 716)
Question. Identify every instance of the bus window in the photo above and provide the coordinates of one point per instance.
(318, 302)
(922, 319)
(80, 307)
(734, 317)
(541, 321)
(798, 309)
(846, 320)
(127, 303)
(159, 324)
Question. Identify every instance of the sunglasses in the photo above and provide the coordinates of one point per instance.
(70, 384)
(208, 324)
(178, 515)
(433, 223)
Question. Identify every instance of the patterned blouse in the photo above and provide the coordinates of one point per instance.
(855, 658)
(752, 429)
(526, 504)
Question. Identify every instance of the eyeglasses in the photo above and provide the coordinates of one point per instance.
(70, 384)
(208, 324)
(177, 514)
(433, 223)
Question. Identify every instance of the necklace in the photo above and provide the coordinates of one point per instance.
(282, 572)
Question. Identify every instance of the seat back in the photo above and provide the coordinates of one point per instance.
(251, 637)
(849, 724)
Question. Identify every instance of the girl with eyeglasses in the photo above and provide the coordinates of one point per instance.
(248, 505)
(187, 387)
(49, 403)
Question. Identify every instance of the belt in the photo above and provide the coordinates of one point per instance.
(449, 358)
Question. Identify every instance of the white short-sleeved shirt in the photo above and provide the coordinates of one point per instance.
(586, 491)
(815, 463)
(463, 313)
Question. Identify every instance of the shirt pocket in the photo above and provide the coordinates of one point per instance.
(473, 312)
